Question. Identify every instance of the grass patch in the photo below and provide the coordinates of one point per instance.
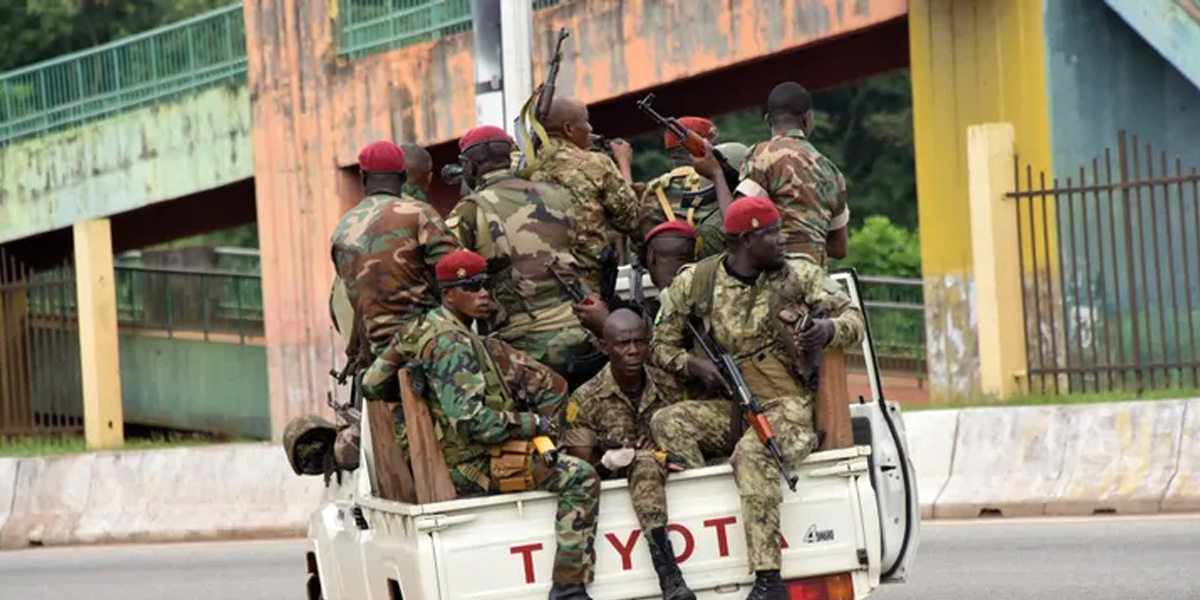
(57, 445)
(1052, 399)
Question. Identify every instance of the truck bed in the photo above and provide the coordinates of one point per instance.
(503, 546)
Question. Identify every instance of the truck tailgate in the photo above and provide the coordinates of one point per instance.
(503, 546)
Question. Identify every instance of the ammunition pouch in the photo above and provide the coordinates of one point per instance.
(512, 468)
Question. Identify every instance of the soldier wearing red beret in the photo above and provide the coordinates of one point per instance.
(384, 250)
(694, 191)
(491, 401)
(524, 229)
(747, 298)
(669, 246)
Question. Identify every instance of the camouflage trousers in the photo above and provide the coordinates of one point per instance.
(561, 350)
(578, 488)
(696, 429)
(647, 490)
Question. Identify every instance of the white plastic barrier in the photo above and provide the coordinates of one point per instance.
(1007, 460)
(1119, 457)
(930, 435)
(8, 488)
(1183, 495)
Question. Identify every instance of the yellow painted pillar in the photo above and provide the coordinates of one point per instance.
(994, 246)
(96, 299)
(982, 61)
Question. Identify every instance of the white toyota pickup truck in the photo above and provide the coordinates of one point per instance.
(852, 523)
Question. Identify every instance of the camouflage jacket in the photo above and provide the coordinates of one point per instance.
(603, 201)
(741, 319)
(415, 192)
(692, 198)
(520, 227)
(384, 250)
(806, 187)
(599, 409)
(479, 388)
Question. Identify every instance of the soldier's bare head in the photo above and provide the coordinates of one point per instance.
(625, 342)
(418, 165)
(790, 106)
(569, 120)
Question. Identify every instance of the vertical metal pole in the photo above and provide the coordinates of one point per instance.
(1130, 269)
(488, 55)
(516, 28)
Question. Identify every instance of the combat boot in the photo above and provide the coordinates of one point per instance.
(670, 579)
(767, 586)
(569, 591)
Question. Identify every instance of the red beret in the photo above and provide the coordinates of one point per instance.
(381, 157)
(460, 264)
(700, 125)
(675, 227)
(483, 133)
(750, 213)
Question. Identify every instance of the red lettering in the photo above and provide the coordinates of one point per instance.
(689, 543)
(527, 552)
(782, 542)
(720, 525)
(626, 550)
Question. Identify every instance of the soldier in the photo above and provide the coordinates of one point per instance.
(384, 250)
(489, 400)
(612, 412)
(667, 248)
(522, 229)
(603, 198)
(739, 297)
(418, 171)
(806, 187)
(695, 190)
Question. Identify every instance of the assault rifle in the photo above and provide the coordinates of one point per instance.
(576, 295)
(348, 412)
(546, 92)
(752, 409)
(689, 139)
(528, 130)
(637, 292)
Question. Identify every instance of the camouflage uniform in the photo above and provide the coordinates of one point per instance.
(414, 191)
(743, 321)
(471, 384)
(599, 409)
(520, 227)
(806, 187)
(384, 250)
(692, 198)
(603, 201)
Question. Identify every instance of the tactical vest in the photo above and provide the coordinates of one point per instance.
(457, 448)
(683, 194)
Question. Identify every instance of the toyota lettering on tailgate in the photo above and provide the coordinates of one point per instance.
(624, 547)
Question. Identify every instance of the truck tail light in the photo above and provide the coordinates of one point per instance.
(831, 587)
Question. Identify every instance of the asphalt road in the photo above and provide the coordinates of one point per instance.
(1111, 558)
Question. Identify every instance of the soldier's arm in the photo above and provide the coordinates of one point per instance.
(837, 239)
(580, 436)
(848, 322)
(455, 378)
(621, 205)
(666, 344)
(755, 177)
(435, 236)
(462, 222)
(545, 390)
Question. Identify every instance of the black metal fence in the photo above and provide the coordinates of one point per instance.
(895, 307)
(1111, 266)
(38, 327)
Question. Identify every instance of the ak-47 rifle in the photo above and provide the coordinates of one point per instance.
(752, 409)
(574, 292)
(530, 136)
(349, 411)
(637, 292)
(690, 140)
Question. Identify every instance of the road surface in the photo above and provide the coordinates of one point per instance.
(1112, 558)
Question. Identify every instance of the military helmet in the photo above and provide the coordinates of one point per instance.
(734, 152)
(307, 441)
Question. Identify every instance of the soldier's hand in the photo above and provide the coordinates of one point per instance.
(592, 313)
(542, 425)
(704, 371)
(622, 152)
(617, 459)
(817, 335)
(707, 165)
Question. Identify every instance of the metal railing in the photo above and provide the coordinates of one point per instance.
(895, 307)
(1111, 264)
(371, 26)
(129, 73)
(41, 389)
(206, 303)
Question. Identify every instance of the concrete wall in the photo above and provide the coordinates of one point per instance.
(1171, 27)
(312, 113)
(132, 160)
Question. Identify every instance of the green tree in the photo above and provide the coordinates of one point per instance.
(879, 247)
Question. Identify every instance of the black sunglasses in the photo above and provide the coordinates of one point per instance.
(471, 285)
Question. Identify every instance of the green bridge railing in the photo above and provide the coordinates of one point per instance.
(183, 57)
(132, 72)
